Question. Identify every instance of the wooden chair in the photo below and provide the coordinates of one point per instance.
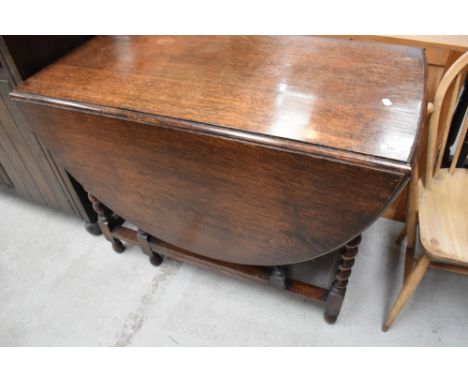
(440, 203)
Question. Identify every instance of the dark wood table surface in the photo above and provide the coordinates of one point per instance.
(309, 90)
(257, 150)
(233, 150)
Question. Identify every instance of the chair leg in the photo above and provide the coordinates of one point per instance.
(408, 289)
(409, 263)
(401, 236)
(411, 223)
(410, 244)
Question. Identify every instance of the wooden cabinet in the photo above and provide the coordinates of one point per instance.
(26, 167)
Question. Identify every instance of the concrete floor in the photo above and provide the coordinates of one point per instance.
(61, 286)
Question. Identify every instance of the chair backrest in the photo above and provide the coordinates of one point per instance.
(454, 73)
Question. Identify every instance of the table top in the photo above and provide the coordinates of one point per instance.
(343, 96)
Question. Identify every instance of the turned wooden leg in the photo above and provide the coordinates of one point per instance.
(106, 222)
(408, 289)
(143, 240)
(338, 290)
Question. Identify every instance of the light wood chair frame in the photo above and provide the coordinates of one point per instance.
(414, 272)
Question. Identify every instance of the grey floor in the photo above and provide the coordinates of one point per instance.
(61, 286)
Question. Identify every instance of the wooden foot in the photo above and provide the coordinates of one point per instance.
(93, 228)
(118, 246)
(156, 259)
(408, 289)
(107, 221)
(144, 242)
(330, 319)
(338, 290)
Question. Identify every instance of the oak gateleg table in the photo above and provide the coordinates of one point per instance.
(239, 153)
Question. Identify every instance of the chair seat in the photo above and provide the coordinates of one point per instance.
(443, 217)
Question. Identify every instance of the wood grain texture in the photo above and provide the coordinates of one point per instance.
(216, 196)
(441, 52)
(443, 217)
(316, 90)
(250, 150)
